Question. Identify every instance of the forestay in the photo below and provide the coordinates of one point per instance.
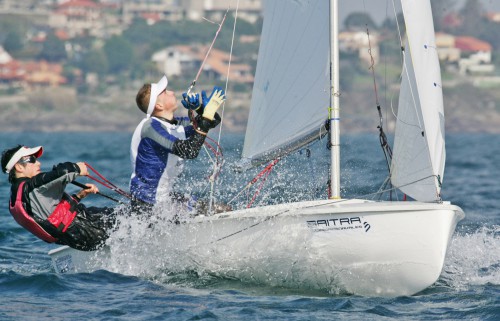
(290, 97)
(419, 148)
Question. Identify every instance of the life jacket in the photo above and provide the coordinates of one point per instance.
(22, 218)
(62, 216)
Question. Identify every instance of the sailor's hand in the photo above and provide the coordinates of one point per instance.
(213, 102)
(191, 101)
(90, 189)
(204, 124)
(83, 169)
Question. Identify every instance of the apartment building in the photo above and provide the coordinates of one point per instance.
(249, 10)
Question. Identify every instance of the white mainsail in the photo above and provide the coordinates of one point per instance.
(290, 96)
(419, 149)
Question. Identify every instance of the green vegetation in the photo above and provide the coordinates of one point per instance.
(127, 57)
(53, 49)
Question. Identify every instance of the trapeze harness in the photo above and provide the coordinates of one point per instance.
(62, 216)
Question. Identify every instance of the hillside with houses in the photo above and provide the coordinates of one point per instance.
(77, 64)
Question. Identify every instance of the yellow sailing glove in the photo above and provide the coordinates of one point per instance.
(213, 102)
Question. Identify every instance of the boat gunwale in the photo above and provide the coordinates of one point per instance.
(332, 207)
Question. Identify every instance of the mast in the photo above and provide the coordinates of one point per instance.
(333, 113)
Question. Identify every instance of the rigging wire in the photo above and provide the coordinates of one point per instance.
(193, 83)
(213, 177)
(217, 163)
(364, 196)
(386, 148)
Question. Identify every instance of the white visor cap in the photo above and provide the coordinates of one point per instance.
(23, 151)
(156, 90)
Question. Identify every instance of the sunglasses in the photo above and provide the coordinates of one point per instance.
(29, 159)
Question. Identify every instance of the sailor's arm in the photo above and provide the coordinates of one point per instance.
(190, 148)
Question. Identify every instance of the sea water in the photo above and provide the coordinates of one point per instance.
(134, 289)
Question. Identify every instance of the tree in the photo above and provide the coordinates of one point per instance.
(119, 53)
(440, 8)
(491, 34)
(95, 61)
(53, 49)
(473, 21)
(359, 20)
(13, 42)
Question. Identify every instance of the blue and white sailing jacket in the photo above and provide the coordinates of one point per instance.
(157, 150)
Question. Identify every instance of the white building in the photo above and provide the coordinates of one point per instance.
(186, 60)
(4, 56)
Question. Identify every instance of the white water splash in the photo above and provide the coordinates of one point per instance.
(155, 248)
(473, 259)
(141, 244)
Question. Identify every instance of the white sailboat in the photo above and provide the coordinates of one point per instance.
(365, 247)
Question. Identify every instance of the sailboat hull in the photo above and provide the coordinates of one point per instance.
(347, 246)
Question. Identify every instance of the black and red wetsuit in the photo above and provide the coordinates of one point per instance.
(41, 205)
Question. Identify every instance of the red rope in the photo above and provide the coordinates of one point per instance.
(264, 173)
(106, 183)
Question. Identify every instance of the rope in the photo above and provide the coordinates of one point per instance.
(208, 52)
(257, 192)
(98, 193)
(372, 66)
(382, 137)
(266, 171)
(106, 183)
(229, 67)
(365, 196)
(219, 157)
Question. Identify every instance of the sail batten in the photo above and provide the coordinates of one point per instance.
(284, 149)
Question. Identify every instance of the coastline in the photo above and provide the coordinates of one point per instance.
(62, 110)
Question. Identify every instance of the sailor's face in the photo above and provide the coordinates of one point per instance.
(29, 168)
(168, 100)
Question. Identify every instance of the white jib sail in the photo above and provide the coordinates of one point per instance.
(419, 148)
(290, 97)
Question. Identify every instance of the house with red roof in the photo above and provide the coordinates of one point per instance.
(186, 60)
(83, 17)
(445, 44)
(471, 45)
(43, 73)
(476, 55)
(31, 73)
(471, 55)
(11, 72)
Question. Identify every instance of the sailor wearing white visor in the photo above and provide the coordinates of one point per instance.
(39, 203)
(161, 141)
